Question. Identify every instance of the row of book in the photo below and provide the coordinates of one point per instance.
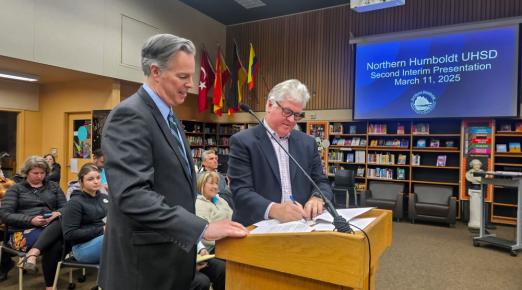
(338, 128)
(434, 143)
(404, 143)
(387, 158)
(441, 160)
(510, 147)
(356, 141)
(387, 173)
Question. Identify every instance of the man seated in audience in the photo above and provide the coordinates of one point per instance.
(211, 271)
(209, 160)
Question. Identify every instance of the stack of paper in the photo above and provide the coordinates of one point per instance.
(322, 222)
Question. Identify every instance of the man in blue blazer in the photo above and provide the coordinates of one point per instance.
(264, 181)
(152, 231)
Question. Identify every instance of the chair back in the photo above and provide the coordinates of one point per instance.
(344, 179)
(437, 194)
(385, 190)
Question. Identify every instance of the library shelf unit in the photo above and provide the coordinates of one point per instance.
(507, 157)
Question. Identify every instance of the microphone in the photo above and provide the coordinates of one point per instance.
(339, 222)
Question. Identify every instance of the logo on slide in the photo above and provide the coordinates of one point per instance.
(423, 102)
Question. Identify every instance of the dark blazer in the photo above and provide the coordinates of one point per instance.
(254, 172)
(151, 233)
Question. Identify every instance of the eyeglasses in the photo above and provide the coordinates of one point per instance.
(287, 113)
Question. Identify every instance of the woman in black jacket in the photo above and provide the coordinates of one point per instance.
(54, 175)
(83, 216)
(31, 209)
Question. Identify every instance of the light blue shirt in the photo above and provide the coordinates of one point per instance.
(164, 110)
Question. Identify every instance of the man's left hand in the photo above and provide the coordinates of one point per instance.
(313, 207)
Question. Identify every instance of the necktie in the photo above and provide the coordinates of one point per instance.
(175, 131)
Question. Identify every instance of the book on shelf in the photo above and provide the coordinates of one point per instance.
(415, 159)
(421, 128)
(401, 159)
(401, 173)
(336, 128)
(518, 127)
(360, 172)
(441, 160)
(363, 142)
(350, 157)
(504, 128)
(373, 143)
(501, 148)
(377, 128)
(353, 129)
(421, 143)
(400, 129)
(514, 147)
(449, 143)
(480, 130)
(435, 143)
(405, 143)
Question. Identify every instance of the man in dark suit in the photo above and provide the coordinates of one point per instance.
(152, 231)
(264, 182)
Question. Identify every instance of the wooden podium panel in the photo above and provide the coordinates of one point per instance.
(316, 260)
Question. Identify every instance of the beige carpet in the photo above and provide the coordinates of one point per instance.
(422, 256)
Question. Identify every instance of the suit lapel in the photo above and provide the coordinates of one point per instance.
(162, 124)
(266, 147)
(293, 149)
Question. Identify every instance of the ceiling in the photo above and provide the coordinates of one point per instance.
(46, 73)
(230, 12)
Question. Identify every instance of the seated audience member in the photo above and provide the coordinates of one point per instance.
(99, 161)
(6, 263)
(209, 162)
(209, 205)
(82, 218)
(211, 271)
(55, 168)
(31, 209)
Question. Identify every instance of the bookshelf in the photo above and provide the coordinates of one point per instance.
(507, 157)
(319, 130)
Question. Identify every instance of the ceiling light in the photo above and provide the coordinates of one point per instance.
(249, 4)
(18, 76)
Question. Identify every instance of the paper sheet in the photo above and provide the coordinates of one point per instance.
(290, 227)
(347, 213)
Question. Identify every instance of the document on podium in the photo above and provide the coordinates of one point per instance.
(322, 222)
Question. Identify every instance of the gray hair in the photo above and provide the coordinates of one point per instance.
(159, 48)
(290, 90)
(206, 153)
(35, 162)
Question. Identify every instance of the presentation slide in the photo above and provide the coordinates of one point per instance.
(455, 74)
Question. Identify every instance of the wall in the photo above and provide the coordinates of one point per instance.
(56, 100)
(16, 95)
(102, 37)
(314, 47)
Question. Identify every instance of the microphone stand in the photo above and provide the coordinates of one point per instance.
(339, 222)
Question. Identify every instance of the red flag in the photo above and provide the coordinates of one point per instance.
(206, 80)
(222, 77)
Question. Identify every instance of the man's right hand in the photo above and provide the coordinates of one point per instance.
(38, 221)
(286, 212)
(224, 228)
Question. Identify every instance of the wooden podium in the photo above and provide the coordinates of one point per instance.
(316, 260)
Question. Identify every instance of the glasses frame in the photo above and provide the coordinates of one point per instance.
(287, 113)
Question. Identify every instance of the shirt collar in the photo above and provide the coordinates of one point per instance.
(162, 106)
(270, 131)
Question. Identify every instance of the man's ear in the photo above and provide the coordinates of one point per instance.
(154, 71)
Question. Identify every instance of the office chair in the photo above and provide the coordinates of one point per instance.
(4, 248)
(344, 184)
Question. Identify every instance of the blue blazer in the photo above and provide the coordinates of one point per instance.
(254, 172)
